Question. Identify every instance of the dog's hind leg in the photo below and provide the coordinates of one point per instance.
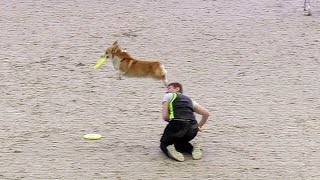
(165, 82)
(164, 75)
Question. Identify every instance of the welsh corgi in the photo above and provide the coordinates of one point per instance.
(126, 65)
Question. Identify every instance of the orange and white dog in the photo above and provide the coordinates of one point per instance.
(125, 65)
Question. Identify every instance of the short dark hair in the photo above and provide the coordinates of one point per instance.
(175, 85)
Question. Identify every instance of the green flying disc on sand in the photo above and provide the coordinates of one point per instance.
(92, 136)
(102, 60)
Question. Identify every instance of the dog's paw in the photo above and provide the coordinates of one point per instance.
(119, 78)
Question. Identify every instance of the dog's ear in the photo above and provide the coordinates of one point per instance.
(115, 43)
(114, 50)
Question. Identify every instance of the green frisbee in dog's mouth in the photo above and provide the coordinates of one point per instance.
(101, 61)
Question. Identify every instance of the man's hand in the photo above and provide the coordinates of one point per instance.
(205, 115)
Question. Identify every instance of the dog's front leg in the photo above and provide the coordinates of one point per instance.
(119, 75)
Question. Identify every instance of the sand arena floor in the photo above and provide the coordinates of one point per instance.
(253, 64)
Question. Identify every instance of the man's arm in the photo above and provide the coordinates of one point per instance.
(202, 111)
(165, 111)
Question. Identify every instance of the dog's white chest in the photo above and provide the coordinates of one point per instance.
(116, 62)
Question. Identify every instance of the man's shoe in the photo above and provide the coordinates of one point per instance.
(174, 154)
(196, 152)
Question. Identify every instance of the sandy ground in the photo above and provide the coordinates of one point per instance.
(253, 64)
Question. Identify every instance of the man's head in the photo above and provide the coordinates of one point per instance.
(175, 87)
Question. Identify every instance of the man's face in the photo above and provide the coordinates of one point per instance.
(171, 89)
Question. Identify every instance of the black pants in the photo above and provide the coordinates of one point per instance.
(179, 133)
